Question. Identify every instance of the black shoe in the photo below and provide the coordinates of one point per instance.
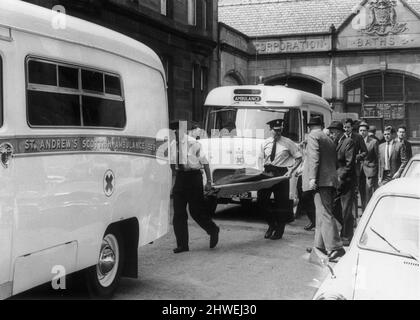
(181, 249)
(335, 254)
(214, 238)
(290, 219)
(269, 232)
(309, 226)
(278, 233)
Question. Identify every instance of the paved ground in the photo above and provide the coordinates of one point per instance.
(243, 266)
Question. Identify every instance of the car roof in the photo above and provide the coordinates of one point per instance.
(21, 16)
(401, 187)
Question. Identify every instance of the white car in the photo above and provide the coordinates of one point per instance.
(382, 262)
(412, 170)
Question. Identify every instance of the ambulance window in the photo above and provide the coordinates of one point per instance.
(68, 77)
(42, 73)
(53, 109)
(98, 112)
(112, 85)
(78, 98)
(92, 81)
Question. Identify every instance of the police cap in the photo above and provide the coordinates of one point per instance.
(275, 124)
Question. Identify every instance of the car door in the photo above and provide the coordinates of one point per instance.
(388, 265)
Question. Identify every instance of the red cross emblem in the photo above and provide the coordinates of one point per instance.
(109, 183)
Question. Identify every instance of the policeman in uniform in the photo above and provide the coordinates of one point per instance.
(187, 160)
(280, 156)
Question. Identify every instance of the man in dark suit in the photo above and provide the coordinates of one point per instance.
(392, 157)
(369, 166)
(320, 158)
(360, 151)
(402, 138)
(346, 171)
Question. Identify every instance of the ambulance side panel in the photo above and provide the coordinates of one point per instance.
(60, 204)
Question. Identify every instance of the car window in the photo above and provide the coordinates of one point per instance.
(413, 170)
(396, 219)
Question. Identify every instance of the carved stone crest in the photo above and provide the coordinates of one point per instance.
(383, 19)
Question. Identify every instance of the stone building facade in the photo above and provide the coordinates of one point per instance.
(362, 56)
(182, 32)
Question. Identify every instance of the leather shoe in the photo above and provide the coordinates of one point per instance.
(278, 233)
(214, 238)
(269, 232)
(335, 254)
(290, 219)
(181, 249)
(309, 226)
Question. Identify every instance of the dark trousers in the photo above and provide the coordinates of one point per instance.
(282, 211)
(188, 190)
(386, 177)
(306, 203)
(343, 209)
(367, 186)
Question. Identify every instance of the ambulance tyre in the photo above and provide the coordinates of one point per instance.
(103, 278)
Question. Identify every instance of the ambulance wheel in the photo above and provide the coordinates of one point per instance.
(103, 278)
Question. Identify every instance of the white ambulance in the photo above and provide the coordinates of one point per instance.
(82, 183)
(236, 126)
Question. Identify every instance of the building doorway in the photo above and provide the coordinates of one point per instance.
(393, 96)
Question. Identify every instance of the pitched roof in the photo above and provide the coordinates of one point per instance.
(282, 17)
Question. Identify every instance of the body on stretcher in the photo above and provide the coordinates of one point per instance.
(261, 181)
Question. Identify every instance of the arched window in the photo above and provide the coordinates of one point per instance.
(231, 79)
(386, 98)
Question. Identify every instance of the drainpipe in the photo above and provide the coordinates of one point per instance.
(333, 79)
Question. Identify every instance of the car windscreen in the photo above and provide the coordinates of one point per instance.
(397, 219)
(413, 171)
(251, 122)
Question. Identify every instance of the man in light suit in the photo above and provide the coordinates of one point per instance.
(346, 172)
(319, 174)
(392, 157)
(369, 166)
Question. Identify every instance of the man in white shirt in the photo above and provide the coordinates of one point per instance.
(187, 160)
(279, 156)
(392, 157)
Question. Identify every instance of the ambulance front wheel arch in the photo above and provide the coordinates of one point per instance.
(104, 277)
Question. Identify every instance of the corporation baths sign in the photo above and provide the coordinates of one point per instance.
(293, 45)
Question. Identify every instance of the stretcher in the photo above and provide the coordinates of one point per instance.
(232, 189)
